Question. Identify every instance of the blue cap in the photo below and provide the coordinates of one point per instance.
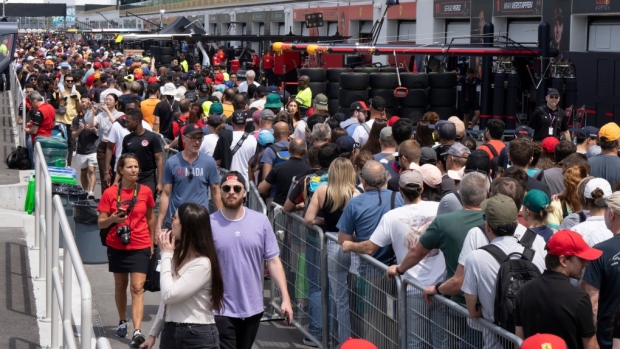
(229, 84)
(272, 89)
(346, 144)
(589, 131)
(524, 131)
(64, 65)
(265, 137)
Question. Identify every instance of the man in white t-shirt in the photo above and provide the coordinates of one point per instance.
(377, 111)
(243, 144)
(402, 227)
(249, 79)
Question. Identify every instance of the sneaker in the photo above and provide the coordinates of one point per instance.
(309, 343)
(121, 330)
(91, 195)
(138, 338)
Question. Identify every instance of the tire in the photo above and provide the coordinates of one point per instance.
(155, 50)
(389, 112)
(417, 98)
(388, 95)
(347, 97)
(315, 74)
(366, 70)
(317, 87)
(442, 97)
(571, 84)
(387, 70)
(414, 80)
(332, 89)
(333, 106)
(444, 112)
(164, 59)
(346, 111)
(333, 74)
(354, 81)
(383, 80)
(413, 114)
(442, 80)
(166, 51)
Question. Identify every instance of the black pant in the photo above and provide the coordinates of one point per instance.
(70, 145)
(151, 183)
(101, 148)
(237, 333)
(189, 336)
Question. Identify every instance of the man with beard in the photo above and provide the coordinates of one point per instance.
(189, 176)
(146, 145)
(245, 242)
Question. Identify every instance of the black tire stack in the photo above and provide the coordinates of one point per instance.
(317, 80)
(383, 85)
(415, 104)
(333, 89)
(353, 87)
(162, 55)
(442, 94)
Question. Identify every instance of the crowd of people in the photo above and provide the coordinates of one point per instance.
(425, 199)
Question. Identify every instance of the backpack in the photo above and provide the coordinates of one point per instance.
(512, 275)
(311, 183)
(282, 153)
(19, 159)
(495, 159)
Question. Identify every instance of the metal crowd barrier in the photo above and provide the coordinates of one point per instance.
(17, 97)
(255, 201)
(50, 222)
(338, 295)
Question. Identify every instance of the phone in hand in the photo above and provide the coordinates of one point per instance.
(122, 213)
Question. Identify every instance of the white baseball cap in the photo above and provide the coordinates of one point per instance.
(597, 183)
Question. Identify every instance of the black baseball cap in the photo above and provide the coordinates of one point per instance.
(359, 105)
(478, 161)
(552, 91)
(192, 129)
(378, 103)
(238, 117)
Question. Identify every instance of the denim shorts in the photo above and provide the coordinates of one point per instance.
(189, 336)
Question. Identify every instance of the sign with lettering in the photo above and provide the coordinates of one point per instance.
(518, 7)
(452, 9)
(595, 6)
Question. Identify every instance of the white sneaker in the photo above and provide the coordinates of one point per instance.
(91, 195)
(309, 343)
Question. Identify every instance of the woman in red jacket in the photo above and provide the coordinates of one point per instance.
(126, 209)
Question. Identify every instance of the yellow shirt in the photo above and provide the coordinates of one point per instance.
(304, 97)
(228, 109)
(71, 106)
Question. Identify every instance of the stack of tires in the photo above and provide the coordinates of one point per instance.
(415, 104)
(333, 88)
(353, 88)
(163, 55)
(317, 80)
(383, 85)
(442, 94)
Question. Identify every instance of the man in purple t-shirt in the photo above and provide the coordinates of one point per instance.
(244, 241)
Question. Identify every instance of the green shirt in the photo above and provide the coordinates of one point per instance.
(305, 97)
(447, 233)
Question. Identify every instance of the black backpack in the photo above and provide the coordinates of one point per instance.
(512, 275)
(19, 159)
(495, 160)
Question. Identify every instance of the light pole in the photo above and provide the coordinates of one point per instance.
(161, 18)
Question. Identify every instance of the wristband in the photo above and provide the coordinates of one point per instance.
(398, 271)
(437, 285)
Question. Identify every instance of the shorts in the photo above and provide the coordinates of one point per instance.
(86, 160)
(470, 106)
(128, 261)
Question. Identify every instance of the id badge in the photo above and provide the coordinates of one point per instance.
(550, 131)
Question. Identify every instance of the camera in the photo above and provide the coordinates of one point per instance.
(124, 233)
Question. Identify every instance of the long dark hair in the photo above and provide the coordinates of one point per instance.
(372, 144)
(196, 235)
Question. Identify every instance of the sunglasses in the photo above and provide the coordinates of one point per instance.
(554, 97)
(194, 139)
(190, 172)
(236, 188)
(71, 81)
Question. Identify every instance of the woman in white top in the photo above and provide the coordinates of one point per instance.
(593, 229)
(191, 283)
(215, 123)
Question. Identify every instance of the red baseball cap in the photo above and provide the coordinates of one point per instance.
(106, 64)
(354, 343)
(97, 65)
(569, 243)
(152, 79)
(209, 81)
(548, 144)
(137, 76)
(543, 341)
(219, 79)
(392, 120)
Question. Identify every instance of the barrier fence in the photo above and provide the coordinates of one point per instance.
(17, 97)
(50, 222)
(338, 295)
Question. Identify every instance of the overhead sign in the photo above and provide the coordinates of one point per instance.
(517, 8)
(451, 9)
(595, 6)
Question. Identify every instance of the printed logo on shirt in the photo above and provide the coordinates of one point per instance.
(417, 226)
(615, 259)
(189, 172)
(237, 233)
(145, 143)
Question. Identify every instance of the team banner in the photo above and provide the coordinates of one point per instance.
(557, 14)
(517, 7)
(595, 6)
(452, 8)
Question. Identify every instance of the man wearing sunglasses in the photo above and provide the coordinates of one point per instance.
(189, 176)
(245, 242)
(550, 119)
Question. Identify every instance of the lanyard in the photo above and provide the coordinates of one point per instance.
(133, 199)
